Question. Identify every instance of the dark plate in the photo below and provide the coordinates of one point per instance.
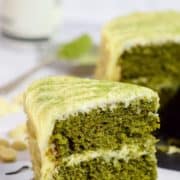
(169, 161)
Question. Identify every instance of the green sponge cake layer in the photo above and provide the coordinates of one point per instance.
(106, 128)
(153, 59)
(90, 129)
(140, 168)
(154, 66)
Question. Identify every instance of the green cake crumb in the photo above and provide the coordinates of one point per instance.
(76, 48)
(169, 149)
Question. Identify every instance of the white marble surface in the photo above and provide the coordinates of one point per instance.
(79, 16)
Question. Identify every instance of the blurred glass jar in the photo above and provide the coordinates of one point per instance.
(30, 19)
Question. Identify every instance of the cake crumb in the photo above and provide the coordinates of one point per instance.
(19, 145)
(173, 150)
(4, 142)
(7, 154)
(168, 149)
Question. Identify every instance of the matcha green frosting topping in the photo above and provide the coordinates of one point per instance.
(76, 48)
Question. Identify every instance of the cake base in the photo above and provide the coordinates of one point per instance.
(99, 169)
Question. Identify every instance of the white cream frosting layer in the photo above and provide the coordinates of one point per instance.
(125, 153)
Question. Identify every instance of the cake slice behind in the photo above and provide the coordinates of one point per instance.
(144, 49)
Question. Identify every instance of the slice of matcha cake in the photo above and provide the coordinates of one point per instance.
(82, 129)
(144, 48)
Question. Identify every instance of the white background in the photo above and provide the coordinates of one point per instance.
(102, 10)
(78, 16)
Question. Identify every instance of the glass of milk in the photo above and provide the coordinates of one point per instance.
(30, 19)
